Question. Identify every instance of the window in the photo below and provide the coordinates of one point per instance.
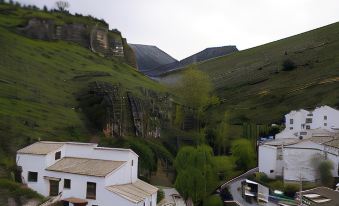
(67, 183)
(271, 171)
(91, 190)
(308, 127)
(132, 163)
(32, 176)
(325, 124)
(325, 117)
(291, 121)
(308, 120)
(57, 155)
(291, 128)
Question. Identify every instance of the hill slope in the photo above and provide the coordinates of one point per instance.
(39, 84)
(150, 57)
(253, 85)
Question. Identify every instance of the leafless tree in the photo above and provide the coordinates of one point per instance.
(62, 5)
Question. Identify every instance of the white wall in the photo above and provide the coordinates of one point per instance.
(267, 160)
(34, 163)
(298, 160)
(123, 175)
(332, 118)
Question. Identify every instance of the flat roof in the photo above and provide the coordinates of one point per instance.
(134, 192)
(41, 148)
(323, 196)
(85, 166)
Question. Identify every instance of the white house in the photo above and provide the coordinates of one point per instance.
(85, 174)
(308, 137)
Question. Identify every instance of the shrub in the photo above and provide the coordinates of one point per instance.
(288, 65)
(326, 176)
(160, 195)
(213, 200)
(291, 189)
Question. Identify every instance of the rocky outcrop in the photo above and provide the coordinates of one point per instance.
(96, 37)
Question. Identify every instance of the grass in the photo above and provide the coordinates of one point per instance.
(38, 88)
(16, 191)
(252, 83)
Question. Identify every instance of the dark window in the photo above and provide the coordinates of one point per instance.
(91, 190)
(57, 155)
(67, 183)
(32, 176)
(291, 128)
(308, 127)
(325, 117)
(308, 120)
(325, 124)
(132, 163)
(291, 121)
(271, 171)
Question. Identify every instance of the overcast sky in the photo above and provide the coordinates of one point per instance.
(184, 27)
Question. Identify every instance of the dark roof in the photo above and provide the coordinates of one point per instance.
(325, 193)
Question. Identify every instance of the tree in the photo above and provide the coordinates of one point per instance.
(196, 176)
(45, 8)
(222, 141)
(288, 65)
(195, 90)
(243, 153)
(326, 176)
(62, 5)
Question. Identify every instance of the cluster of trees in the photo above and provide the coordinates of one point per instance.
(198, 170)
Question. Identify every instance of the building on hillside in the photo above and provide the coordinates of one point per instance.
(309, 137)
(84, 174)
(320, 196)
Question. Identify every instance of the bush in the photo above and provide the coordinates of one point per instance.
(213, 200)
(326, 176)
(160, 195)
(288, 65)
(291, 189)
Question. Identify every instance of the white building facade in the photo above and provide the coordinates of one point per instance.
(85, 174)
(308, 138)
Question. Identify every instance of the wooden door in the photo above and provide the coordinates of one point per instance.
(53, 188)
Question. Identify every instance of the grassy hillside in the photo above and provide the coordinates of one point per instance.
(39, 81)
(252, 84)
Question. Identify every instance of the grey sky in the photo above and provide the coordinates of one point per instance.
(184, 27)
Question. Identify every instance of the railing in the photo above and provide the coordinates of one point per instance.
(51, 200)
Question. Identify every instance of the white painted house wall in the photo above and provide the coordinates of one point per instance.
(298, 157)
(127, 173)
(267, 160)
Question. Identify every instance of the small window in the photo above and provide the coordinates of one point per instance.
(308, 120)
(32, 176)
(271, 171)
(91, 190)
(57, 155)
(291, 121)
(325, 117)
(291, 128)
(325, 124)
(308, 127)
(67, 183)
(132, 163)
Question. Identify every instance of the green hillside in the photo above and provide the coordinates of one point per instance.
(39, 83)
(252, 84)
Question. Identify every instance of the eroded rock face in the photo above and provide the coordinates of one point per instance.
(89, 36)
